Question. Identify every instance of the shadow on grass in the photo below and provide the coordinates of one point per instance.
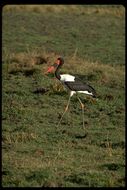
(113, 166)
(81, 136)
(114, 145)
(40, 90)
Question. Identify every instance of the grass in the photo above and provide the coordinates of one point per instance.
(34, 152)
(62, 36)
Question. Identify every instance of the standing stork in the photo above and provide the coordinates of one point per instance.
(73, 84)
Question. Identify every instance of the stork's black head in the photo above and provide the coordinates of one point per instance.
(58, 62)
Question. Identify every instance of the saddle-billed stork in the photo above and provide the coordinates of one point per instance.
(72, 83)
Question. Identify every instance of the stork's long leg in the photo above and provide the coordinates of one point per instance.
(82, 106)
(64, 111)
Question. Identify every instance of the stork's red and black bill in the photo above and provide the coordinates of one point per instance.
(52, 68)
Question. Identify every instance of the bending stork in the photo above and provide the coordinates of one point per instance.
(73, 84)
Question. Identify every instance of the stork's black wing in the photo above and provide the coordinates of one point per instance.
(78, 85)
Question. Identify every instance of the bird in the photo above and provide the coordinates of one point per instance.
(73, 84)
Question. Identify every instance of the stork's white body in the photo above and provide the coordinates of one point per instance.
(71, 78)
(67, 78)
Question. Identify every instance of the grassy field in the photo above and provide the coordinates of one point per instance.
(35, 153)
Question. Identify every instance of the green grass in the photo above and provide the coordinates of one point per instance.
(95, 36)
(35, 153)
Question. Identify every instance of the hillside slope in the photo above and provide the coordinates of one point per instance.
(34, 152)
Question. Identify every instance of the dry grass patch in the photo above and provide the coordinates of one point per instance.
(76, 9)
(18, 62)
(27, 61)
(101, 72)
(19, 137)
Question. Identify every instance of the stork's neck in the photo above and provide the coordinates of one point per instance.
(57, 74)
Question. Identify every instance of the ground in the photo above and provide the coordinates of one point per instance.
(35, 153)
